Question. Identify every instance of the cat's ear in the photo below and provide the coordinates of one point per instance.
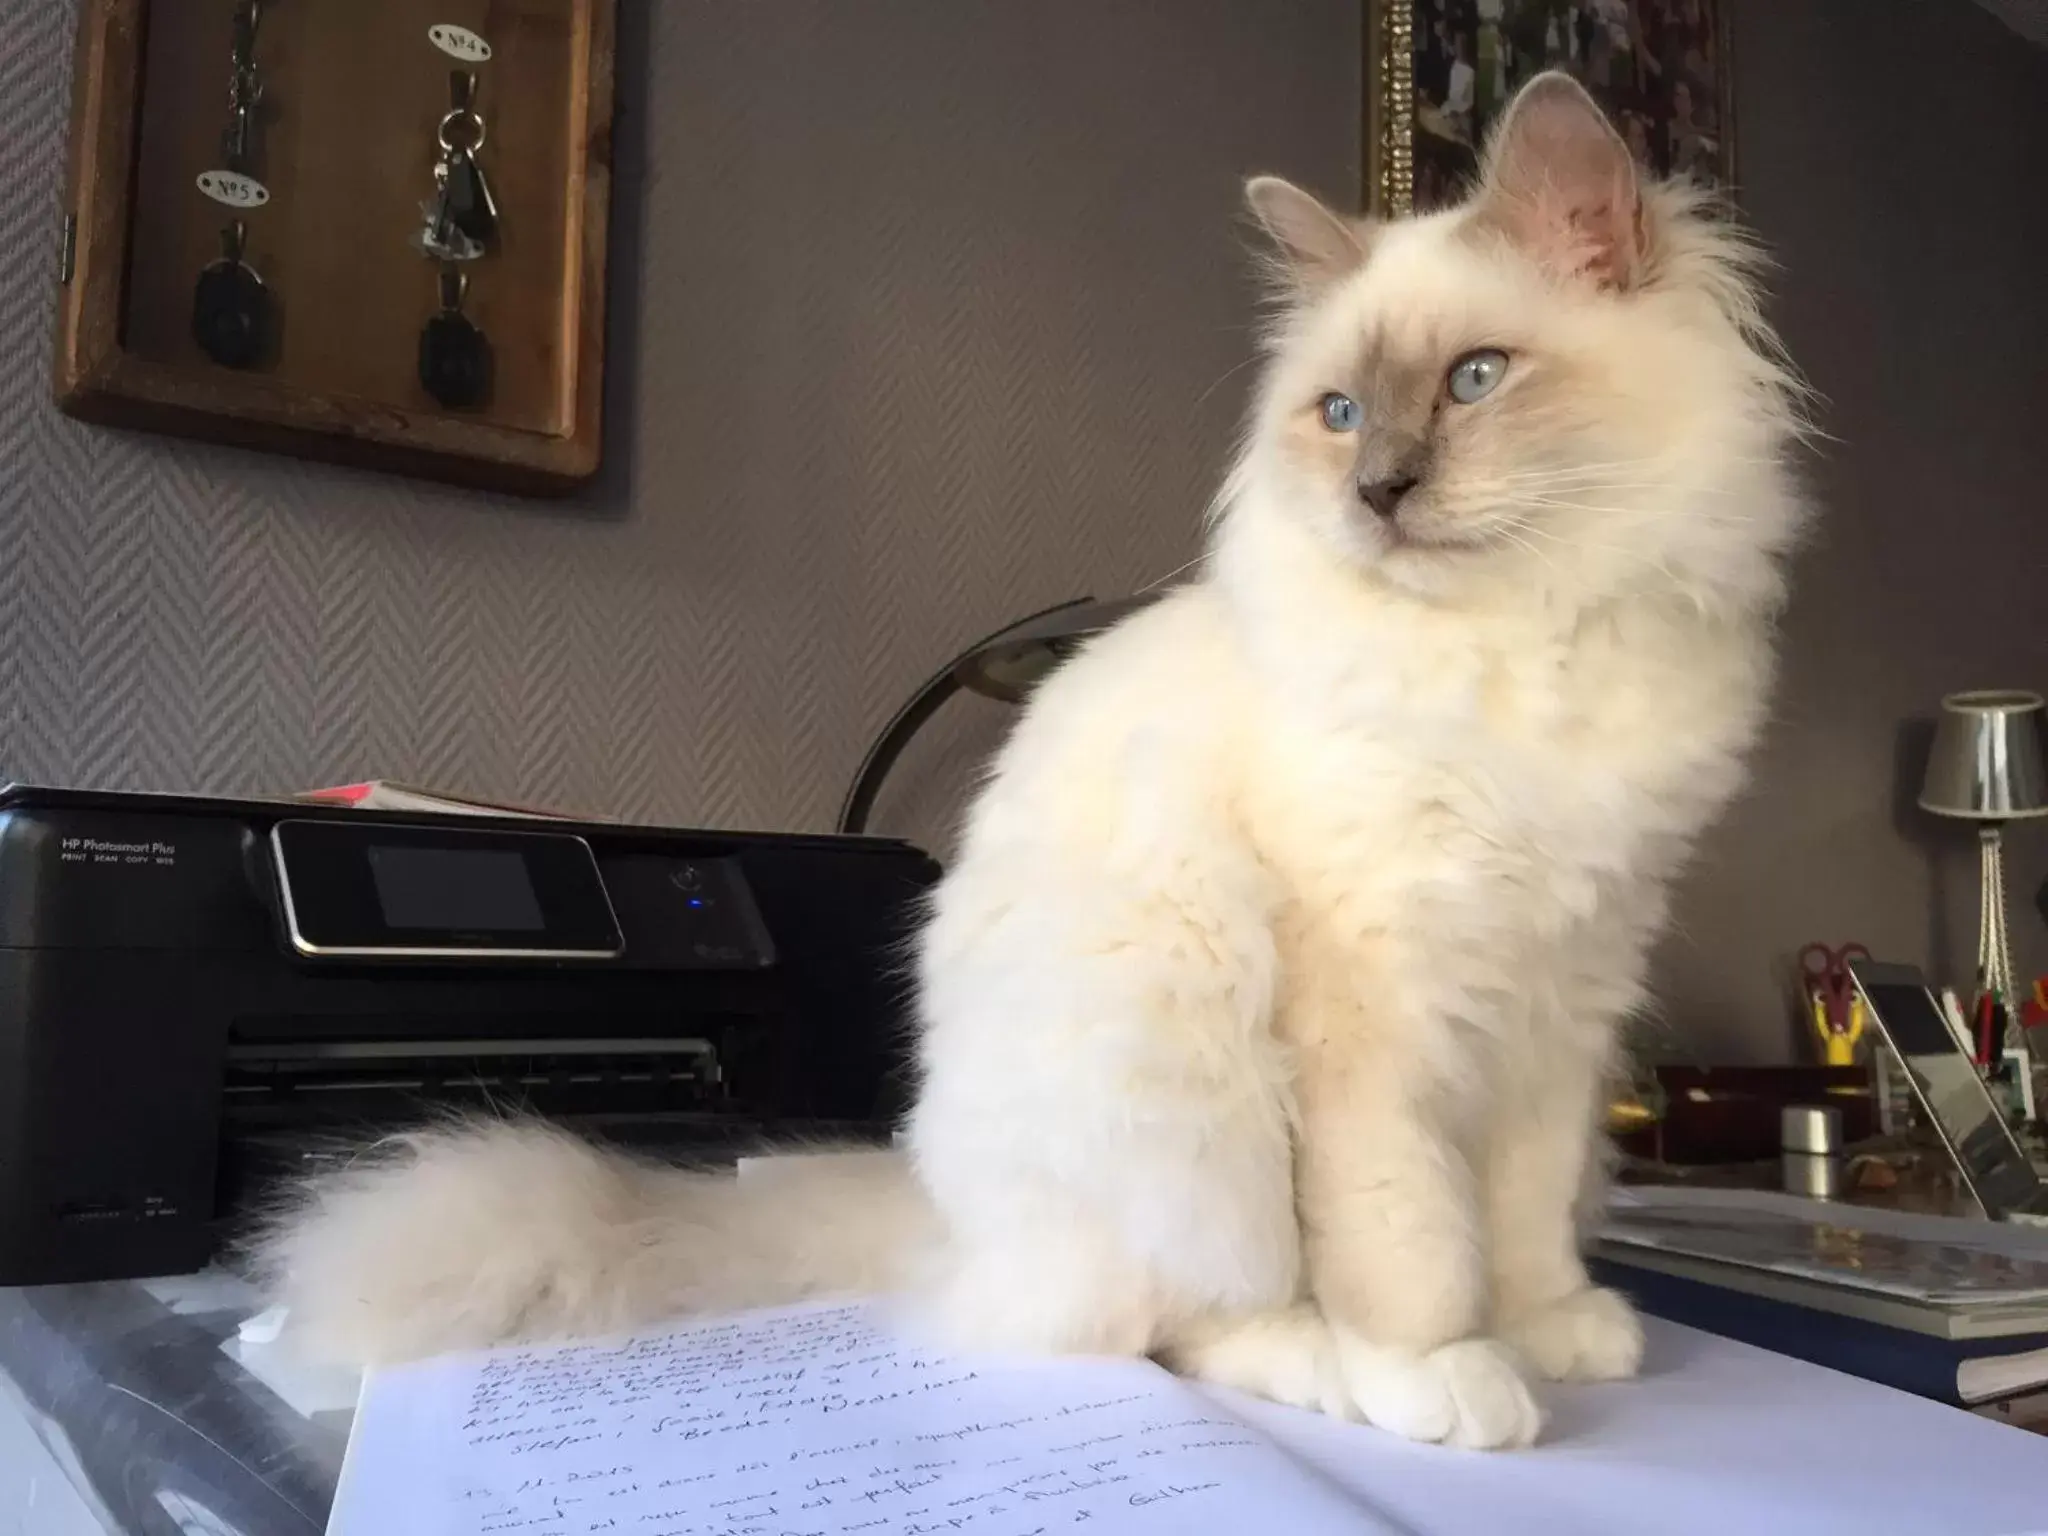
(1560, 182)
(1315, 246)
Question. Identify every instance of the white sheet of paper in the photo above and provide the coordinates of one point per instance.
(808, 1420)
(1714, 1437)
(824, 1421)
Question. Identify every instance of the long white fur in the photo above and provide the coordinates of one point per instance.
(1265, 1008)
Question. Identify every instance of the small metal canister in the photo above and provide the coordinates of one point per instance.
(1810, 1151)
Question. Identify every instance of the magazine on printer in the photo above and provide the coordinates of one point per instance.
(390, 795)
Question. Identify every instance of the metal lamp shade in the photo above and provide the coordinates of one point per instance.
(1987, 763)
(1006, 665)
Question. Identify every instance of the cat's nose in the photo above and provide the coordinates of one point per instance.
(1384, 494)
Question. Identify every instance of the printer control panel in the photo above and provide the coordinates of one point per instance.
(687, 913)
(369, 890)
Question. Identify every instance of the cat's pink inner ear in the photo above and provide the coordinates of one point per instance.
(1317, 245)
(1562, 184)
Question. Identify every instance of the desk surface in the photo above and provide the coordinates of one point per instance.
(161, 1433)
(156, 1430)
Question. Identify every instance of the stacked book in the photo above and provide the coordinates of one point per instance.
(1944, 1307)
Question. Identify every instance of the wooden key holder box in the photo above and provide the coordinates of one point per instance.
(366, 231)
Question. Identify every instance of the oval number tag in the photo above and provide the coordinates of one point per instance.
(459, 43)
(234, 189)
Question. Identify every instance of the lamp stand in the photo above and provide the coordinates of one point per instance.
(1003, 666)
(1994, 944)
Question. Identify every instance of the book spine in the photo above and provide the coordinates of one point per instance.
(1892, 1357)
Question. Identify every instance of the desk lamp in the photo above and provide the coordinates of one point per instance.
(1986, 766)
(1006, 666)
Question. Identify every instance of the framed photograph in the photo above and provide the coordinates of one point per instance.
(1438, 72)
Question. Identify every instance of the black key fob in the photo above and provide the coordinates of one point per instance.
(455, 357)
(231, 317)
(471, 207)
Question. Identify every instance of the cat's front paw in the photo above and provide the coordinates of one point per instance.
(1470, 1394)
(1590, 1335)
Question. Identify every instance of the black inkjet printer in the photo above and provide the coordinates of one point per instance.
(197, 996)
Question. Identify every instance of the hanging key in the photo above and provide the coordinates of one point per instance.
(438, 237)
(245, 93)
(465, 190)
(231, 305)
(455, 357)
(238, 142)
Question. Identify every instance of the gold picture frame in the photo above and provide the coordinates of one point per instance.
(1391, 89)
(1389, 108)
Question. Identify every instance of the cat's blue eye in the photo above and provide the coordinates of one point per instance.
(1341, 413)
(1473, 376)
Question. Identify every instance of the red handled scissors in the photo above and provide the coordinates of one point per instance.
(1827, 976)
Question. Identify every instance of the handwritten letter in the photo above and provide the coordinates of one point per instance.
(807, 1422)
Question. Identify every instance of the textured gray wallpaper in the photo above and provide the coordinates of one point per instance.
(926, 315)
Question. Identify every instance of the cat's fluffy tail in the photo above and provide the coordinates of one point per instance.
(484, 1233)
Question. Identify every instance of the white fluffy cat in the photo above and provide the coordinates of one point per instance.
(1266, 1007)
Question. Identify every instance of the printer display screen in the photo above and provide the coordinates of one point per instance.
(357, 887)
(437, 889)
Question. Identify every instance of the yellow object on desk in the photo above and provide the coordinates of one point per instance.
(1832, 995)
(1838, 1046)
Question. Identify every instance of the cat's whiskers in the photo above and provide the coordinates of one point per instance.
(1602, 478)
(1576, 471)
(1590, 546)
(1599, 472)
(1160, 581)
(1226, 376)
(1511, 493)
(1630, 516)
(1617, 478)
(1514, 536)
